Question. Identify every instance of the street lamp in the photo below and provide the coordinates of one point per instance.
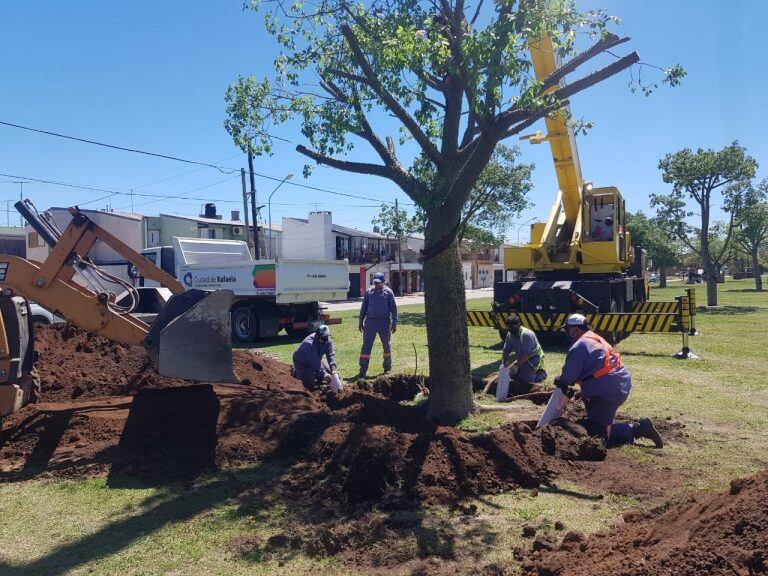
(521, 225)
(269, 209)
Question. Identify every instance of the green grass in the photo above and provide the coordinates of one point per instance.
(87, 527)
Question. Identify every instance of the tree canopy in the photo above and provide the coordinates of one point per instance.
(498, 197)
(454, 80)
(704, 177)
(650, 235)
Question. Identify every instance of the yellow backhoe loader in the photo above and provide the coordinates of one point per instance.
(189, 338)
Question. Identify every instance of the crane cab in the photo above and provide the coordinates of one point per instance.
(605, 245)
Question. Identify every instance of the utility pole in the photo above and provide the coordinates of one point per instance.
(256, 248)
(399, 250)
(248, 238)
(21, 198)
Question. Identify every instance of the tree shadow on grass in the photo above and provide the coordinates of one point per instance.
(727, 310)
(412, 319)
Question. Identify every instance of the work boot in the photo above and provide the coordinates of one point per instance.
(361, 375)
(644, 428)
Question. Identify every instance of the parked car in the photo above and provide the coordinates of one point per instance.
(42, 317)
(654, 277)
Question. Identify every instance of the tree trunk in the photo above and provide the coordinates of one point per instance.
(662, 276)
(711, 285)
(756, 268)
(450, 390)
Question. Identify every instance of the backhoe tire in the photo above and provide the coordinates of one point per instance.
(245, 325)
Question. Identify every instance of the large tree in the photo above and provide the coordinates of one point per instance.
(752, 233)
(702, 177)
(662, 250)
(455, 80)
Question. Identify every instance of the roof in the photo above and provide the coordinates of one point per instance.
(204, 220)
(12, 231)
(345, 230)
(128, 215)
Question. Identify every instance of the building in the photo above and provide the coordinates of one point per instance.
(317, 237)
(13, 241)
(160, 229)
(482, 265)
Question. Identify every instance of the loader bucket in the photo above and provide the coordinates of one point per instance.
(191, 337)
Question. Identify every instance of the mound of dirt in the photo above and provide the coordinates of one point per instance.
(106, 410)
(73, 364)
(711, 534)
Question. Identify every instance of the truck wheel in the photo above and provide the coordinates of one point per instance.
(245, 325)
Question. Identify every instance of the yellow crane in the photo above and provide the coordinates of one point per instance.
(581, 258)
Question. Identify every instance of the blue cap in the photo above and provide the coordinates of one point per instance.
(378, 277)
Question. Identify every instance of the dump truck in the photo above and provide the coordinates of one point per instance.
(269, 295)
(190, 337)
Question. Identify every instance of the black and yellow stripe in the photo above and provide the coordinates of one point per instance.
(608, 322)
(655, 307)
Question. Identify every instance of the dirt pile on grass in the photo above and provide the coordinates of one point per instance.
(711, 534)
(73, 364)
(105, 410)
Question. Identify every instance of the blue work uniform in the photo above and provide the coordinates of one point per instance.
(309, 366)
(525, 344)
(605, 384)
(378, 316)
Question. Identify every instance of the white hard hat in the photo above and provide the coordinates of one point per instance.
(575, 320)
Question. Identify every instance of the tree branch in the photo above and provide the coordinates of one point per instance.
(410, 124)
(347, 166)
(609, 41)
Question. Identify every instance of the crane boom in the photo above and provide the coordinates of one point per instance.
(562, 141)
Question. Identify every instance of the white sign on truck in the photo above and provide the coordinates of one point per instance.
(216, 264)
(270, 295)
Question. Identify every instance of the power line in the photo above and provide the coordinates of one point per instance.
(327, 191)
(115, 147)
(121, 193)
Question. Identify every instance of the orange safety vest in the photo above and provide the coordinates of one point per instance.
(612, 358)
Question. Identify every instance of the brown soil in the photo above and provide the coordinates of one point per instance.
(106, 410)
(350, 468)
(711, 534)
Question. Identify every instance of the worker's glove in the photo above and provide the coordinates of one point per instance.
(327, 378)
(394, 328)
(360, 326)
(565, 388)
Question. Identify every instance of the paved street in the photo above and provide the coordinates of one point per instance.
(402, 300)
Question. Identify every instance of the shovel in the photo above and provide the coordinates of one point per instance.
(191, 338)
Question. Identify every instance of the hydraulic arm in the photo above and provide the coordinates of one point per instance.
(191, 337)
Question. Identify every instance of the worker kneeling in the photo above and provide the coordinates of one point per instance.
(528, 364)
(310, 367)
(605, 385)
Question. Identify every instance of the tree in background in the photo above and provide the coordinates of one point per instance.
(650, 235)
(455, 81)
(700, 176)
(498, 197)
(752, 233)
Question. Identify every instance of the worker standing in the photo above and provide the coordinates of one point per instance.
(528, 364)
(605, 385)
(309, 366)
(378, 315)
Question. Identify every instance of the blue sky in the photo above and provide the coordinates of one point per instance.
(152, 75)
